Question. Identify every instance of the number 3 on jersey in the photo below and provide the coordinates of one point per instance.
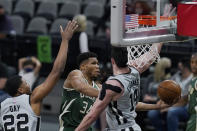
(85, 109)
(22, 119)
(134, 99)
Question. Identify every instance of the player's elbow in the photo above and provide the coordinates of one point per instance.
(58, 67)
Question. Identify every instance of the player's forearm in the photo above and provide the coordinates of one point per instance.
(95, 111)
(145, 107)
(40, 92)
(90, 91)
(103, 121)
(86, 122)
(89, 118)
(60, 61)
(79, 84)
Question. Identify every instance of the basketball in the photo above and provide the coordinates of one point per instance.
(169, 91)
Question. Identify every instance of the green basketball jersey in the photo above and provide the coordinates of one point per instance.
(192, 96)
(74, 107)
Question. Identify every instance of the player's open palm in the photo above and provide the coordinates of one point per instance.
(69, 30)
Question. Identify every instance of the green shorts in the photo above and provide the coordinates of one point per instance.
(191, 124)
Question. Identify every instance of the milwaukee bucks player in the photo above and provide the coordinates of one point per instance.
(120, 94)
(191, 97)
(79, 92)
(191, 125)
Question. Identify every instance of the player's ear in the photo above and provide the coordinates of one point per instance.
(20, 90)
(82, 67)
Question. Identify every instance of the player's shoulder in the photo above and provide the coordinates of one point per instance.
(71, 76)
(75, 73)
(113, 88)
(112, 82)
(23, 97)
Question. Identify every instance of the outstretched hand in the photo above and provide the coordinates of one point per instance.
(69, 30)
(162, 105)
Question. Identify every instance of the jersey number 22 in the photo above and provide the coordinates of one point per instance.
(9, 126)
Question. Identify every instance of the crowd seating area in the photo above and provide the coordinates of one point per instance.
(14, 47)
(45, 16)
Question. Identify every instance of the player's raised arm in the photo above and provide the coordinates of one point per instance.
(78, 83)
(42, 90)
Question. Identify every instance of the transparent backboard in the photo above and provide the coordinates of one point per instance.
(135, 22)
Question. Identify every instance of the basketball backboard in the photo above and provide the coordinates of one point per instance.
(135, 22)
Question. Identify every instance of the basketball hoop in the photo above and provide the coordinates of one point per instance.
(138, 55)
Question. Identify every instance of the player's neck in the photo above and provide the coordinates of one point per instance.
(118, 71)
(17, 94)
(89, 80)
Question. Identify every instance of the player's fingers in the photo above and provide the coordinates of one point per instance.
(76, 26)
(61, 29)
(74, 23)
(68, 25)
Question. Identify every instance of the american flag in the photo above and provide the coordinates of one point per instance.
(131, 21)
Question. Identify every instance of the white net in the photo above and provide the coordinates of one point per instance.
(140, 55)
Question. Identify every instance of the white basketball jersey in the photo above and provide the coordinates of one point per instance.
(17, 115)
(121, 114)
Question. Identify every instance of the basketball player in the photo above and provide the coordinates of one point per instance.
(79, 92)
(191, 124)
(191, 98)
(120, 94)
(21, 112)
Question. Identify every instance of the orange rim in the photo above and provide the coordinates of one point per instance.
(150, 20)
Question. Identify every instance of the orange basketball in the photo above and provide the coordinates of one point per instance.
(168, 91)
